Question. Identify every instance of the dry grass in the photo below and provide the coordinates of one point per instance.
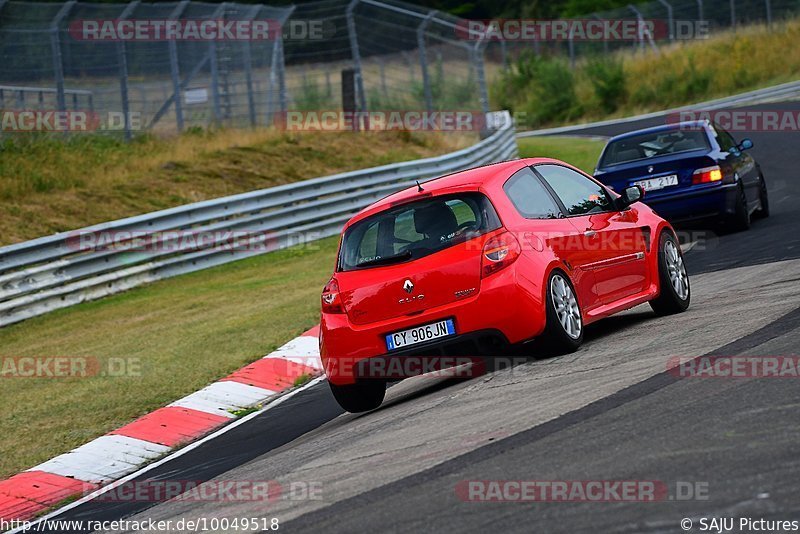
(49, 185)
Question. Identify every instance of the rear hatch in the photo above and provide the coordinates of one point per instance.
(414, 257)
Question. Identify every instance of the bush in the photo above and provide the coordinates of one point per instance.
(608, 82)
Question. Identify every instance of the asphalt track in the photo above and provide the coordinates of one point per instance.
(608, 412)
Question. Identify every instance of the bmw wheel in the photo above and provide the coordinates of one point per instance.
(763, 199)
(675, 293)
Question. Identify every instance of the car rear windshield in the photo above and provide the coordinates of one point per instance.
(654, 144)
(416, 229)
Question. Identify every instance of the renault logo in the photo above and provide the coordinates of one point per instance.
(650, 168)
(408, 286)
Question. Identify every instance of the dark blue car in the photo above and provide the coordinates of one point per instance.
(691, 171)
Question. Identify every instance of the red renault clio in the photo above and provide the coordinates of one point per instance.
(489, 257)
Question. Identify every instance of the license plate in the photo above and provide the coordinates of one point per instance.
(420, 334)
(652, 184)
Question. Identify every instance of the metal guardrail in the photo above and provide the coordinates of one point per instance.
(57, 271)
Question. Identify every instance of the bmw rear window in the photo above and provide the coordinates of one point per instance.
(651, 145)
(416, 229)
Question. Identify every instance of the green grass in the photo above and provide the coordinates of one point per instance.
(547, 91)
(183, 333)
(582, 152)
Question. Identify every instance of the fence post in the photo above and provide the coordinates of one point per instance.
(571, 45)
(733, 14)
(55, 46)
(477, 58)
(283, 98)
(769, 13)
(423, 60)
(605, 41)
(356, 54)
(174, 68)
(670, 18)
(122, 58)
(700, 10)
(247, 58)
(212, 54)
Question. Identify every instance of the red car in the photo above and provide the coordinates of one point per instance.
(493, 256)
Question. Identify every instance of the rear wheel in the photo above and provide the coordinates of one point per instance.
(675, 293)
(741, 218)
(763, 198)
(361, 396)
(563, 332)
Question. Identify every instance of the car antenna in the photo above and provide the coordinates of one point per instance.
(419, 187)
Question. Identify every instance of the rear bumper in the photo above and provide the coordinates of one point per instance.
(504, 312)
(710, 202)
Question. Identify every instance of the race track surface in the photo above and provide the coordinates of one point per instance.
(611, 411)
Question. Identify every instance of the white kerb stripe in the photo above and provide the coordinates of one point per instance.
(303, 350)
(104, 459)
(220, 397)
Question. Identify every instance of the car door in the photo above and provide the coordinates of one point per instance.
(546, 225)
(740, 163)
(613, 242)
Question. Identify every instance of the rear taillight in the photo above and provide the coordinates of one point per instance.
(707, 175)
(499, 252)
(331, 300)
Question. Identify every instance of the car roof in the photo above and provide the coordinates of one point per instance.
(475, 179)
(663, 128)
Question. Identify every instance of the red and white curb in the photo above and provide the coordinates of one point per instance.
(124, 450)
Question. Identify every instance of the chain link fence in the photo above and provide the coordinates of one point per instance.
(405, 57)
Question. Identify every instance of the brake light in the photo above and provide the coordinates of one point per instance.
(331, 300)
(499, 252)
(707, 175)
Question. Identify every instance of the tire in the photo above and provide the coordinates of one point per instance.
(671, 273)
(563, 331)
(763, 211)
(740, 220)
(361, 396)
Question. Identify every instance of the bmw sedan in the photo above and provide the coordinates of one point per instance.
(692, 171)
(489, 257)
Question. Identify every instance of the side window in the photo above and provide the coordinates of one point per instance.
(529, 196)
(579, 194)
(726, 142)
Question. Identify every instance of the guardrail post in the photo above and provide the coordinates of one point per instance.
(175, 69)
(122, 59)
(55, 47)
(356, 54)
(423, 60)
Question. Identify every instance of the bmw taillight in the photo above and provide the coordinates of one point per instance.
(331, 300)
(707, 175)
(499, 252)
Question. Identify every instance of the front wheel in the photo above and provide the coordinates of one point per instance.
(675, 293)
(763, 199)
(361, 396)
(563, 332)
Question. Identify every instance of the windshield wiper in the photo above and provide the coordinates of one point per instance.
(386, 260)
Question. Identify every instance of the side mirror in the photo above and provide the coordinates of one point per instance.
(746, 144)
(631, 194)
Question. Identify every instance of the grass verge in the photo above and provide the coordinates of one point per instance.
(546, 91)
(581, 152)
(50, 184)
(175, 336)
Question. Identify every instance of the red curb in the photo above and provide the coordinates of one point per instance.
(275, 374)
(171, 426)
(314, 332)
(26, 494)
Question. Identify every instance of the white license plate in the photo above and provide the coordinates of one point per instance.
(652, 184)
(420, 334)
